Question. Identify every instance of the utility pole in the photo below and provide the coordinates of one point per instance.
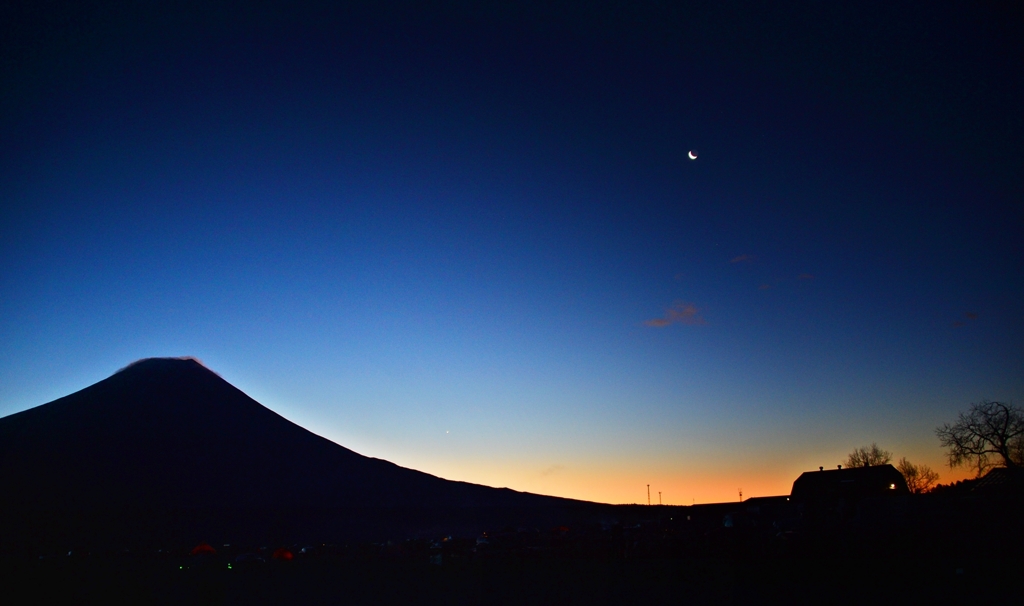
(741, 495)
(659, 497)
(648, 494)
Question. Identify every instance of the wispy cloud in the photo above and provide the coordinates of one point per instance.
(680, 313)
(742, 259)
(552, 470)
(969, 315)
(805, 277)
(764, 287)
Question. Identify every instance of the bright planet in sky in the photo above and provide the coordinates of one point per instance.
(692, 154)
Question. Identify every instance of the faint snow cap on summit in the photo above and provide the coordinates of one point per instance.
(166, 361)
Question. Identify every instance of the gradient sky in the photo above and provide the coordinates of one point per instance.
(469, 240)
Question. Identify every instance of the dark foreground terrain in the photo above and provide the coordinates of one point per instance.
(935, 549)
(882, 579)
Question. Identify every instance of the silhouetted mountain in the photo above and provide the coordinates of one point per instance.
(169, 434)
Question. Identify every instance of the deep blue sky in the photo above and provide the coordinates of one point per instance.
(469, 240)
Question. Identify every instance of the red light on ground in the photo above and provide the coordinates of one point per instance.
(202, 549)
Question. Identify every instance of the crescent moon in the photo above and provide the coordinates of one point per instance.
(692, 155)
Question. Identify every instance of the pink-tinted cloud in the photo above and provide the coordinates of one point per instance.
(958, 324)
(680, 313)
(970, 315)
(805, 277)
(742, 259)
(764, 287)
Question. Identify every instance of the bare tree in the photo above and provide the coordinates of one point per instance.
(868, 456)
(988, 430)
(920, 478)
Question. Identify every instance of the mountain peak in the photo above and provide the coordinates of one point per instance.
(164, 363)
(169, 433)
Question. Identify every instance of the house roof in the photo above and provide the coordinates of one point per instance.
(851, 482)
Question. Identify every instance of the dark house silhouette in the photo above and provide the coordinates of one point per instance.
(838, 491)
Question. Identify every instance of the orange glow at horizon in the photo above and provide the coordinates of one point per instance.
(682, 477)
(622, 487)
